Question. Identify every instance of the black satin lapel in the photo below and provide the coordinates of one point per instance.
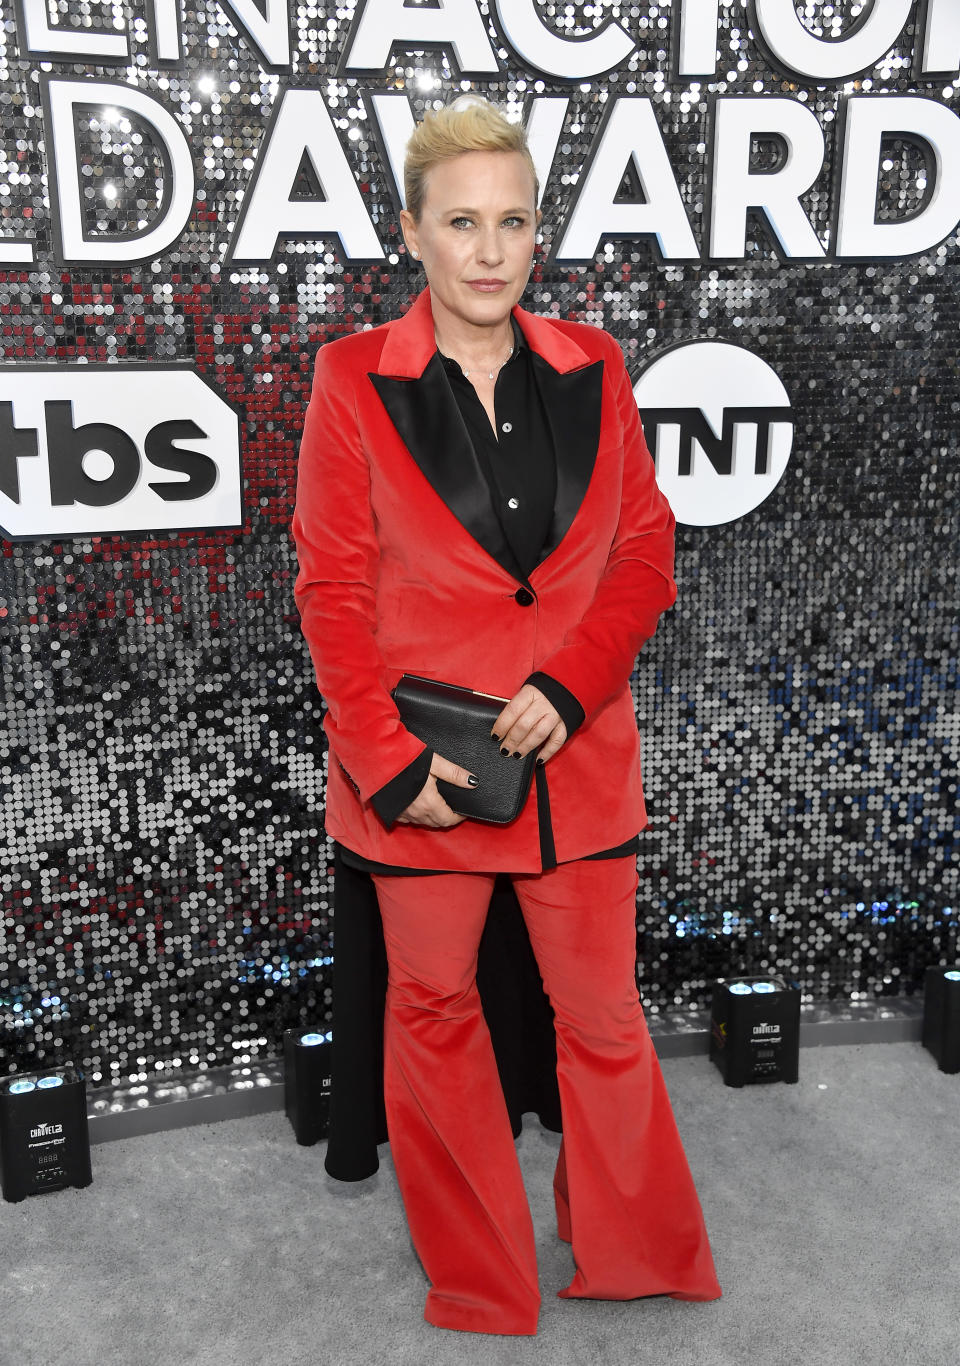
(425, 413)
(572, 404)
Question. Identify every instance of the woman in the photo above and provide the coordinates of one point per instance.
(476, 504)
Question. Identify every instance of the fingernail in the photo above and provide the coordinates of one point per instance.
(516, 754)
(495, 739)
(504, 752)
(473, 780)
(540, 763)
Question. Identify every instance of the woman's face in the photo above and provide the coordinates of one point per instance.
(476, 236)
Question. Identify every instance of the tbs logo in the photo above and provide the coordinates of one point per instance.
(720, 428)
(100, 450)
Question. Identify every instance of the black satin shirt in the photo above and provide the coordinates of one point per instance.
(517, 460)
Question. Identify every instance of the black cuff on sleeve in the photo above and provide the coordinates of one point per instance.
(571, 713)
(396, 795)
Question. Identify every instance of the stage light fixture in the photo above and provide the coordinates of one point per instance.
(306, 1083)
(755, 1030)
(941, 1017)
(44, 1139)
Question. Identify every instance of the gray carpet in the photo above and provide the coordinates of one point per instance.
(833, 1210)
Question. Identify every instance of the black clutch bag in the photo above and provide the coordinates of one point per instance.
(456, 723)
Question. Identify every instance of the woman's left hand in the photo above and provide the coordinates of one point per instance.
(528, 720)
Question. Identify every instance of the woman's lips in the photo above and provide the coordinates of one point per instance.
(487, 286)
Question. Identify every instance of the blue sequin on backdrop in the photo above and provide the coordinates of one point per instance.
(165, 881)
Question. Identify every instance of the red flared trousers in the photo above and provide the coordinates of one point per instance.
(625, 1199)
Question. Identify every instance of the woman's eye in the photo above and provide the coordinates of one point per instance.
(462, 223)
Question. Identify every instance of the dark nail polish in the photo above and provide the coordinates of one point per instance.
(516, 754)
(504, 752)
(473, 780)
(495, 739)
(540, 763)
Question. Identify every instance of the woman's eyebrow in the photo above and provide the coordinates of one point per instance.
(503, 213)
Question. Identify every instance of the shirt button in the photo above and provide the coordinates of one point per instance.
(513, 503)
(506, 426)
(523, 596)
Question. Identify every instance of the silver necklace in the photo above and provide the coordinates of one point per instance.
(491, 374)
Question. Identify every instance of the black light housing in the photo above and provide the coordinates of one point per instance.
(44, 1138)
(755, 1030)
(306, 1083)
(941, 1016)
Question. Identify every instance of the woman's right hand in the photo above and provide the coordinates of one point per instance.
(428, 807)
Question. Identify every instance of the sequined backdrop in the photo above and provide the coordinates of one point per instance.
(165, 880)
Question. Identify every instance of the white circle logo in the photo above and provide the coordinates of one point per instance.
(719, 426)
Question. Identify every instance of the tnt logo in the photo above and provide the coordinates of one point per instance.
(720, 427)
(121, 448)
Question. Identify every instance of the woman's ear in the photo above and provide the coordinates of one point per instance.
(408, 225)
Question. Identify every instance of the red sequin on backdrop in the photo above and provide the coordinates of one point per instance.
(270, 390)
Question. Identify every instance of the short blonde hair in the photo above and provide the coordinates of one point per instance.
(469, 124)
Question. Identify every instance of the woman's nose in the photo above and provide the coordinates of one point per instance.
(490, 247)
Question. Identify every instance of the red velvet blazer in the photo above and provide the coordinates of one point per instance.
(404, 568)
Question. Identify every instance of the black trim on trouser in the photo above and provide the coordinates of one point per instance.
(548, 852)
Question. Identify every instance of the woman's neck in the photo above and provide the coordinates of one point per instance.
(474, 347)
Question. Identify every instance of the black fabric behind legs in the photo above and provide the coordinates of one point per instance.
(357, 1119)
(517, 1011)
